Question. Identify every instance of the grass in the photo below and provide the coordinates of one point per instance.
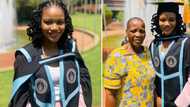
(88, 21)
(5, 87)
(21, 40)
(92, 58)
(112, 41)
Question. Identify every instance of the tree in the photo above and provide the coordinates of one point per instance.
(24, 9)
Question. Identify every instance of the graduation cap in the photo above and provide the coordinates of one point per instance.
(168, 7)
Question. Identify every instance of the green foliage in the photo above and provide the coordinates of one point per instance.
(107, 10)
(24, 9)
(75, 1)
(120, 16)
(33, 3)
(107, 13)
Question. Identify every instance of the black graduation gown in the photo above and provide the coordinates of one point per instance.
(32, 82)
(170, 64)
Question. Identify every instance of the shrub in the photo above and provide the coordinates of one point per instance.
(107, 13)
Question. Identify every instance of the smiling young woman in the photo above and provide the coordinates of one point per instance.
(49, 72)
(170, 55)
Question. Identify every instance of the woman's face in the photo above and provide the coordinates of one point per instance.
(136, 32)
(167, 22)
(53, 23)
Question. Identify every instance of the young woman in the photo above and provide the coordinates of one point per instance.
(128, 76)
(49, 72)
(170, 53)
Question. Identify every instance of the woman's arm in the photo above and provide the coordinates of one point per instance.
(109, 97)
(158, 101)
(85, 81)
(183, 99)
(23, 72)
(20, 95)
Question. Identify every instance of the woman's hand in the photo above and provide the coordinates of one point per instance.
(158, 102)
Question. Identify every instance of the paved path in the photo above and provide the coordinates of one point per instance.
(84, 40)
(6, 61)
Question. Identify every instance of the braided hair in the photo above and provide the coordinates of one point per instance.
(34, 31)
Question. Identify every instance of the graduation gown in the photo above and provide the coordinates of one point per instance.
(171, 69)
(33, 83)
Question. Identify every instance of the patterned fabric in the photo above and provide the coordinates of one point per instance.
(132, 76)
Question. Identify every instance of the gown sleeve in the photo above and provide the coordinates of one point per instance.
(183, 100)
(187, 58)
(85, 82)
(23, 71)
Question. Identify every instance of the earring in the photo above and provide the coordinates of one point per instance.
(49, 31)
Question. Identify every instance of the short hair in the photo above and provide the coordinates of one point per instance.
(34, 31)
(124, 41)
(133, 18)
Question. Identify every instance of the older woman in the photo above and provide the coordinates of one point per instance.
(128, 76)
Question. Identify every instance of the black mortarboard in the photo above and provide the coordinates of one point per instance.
(168, 7)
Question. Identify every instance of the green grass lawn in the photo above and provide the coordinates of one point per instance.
(88, 21)
(91, 57)
(92, 60)
(5, 87)
(112, 41)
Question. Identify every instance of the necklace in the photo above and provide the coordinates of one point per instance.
(43, 53)
(48, 52)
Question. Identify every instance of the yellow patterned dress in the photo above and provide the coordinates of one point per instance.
(132, 76)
